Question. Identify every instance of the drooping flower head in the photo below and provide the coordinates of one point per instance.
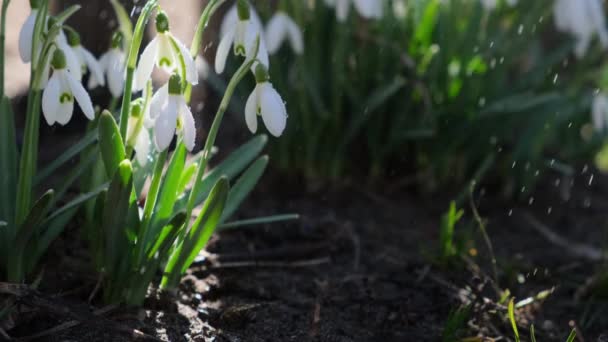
(241, 36)
(172, 115)
(112, 64)
(61, 91)
(85, 58)
(166, 52)
(280, 28)
(26, 35)
(266, 102)
(583, 19)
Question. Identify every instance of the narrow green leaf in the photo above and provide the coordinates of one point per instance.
(67, 13)
(167, 236)
(187, 175)
(244, 186)
(234, 164)
(259, 220)
(110, 142)
(78, 201)
(52, 230)
(199, 234)
(511, 311)
(33, 221)
(8, 170)
(115, 215)
(572, 336)
(124, 22)
(66, 156)
(532, 333)
(170, 185)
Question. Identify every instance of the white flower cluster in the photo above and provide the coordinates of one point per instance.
(166, 112)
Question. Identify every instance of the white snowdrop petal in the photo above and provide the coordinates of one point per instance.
(72, 61)
(276, 31)
(146, 64)
(274, 112)
(251, 109)
(81, 96)
(116, 72)
(50, 99)
(165, 57)
(142, 147)
(342, 9)
(166, 123)
(372, 8)
(93, 65)
(191, 71)
(188, 126)
(296, 38)
(65, 107)
(222, 51)
(159, 101)
(25, 37)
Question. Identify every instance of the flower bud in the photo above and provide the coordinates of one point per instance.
(175, 85)
(73, 37)
(58, 62)
(261, 73)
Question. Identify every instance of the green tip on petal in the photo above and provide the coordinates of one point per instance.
(137, 108)
(58, 62)
(162, 22)
(52, 21)
(117, 40)
(261, 73)
(73, 37)
(35, 4)
(242, 7)
(175, 85)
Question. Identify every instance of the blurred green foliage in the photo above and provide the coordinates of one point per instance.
(441, 91)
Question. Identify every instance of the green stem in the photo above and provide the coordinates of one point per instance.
(211, 7)
(132, 64)
(215, 126)
(150, 205)
(29, 156)
(2, 43)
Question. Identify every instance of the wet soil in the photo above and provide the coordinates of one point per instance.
(357, 266)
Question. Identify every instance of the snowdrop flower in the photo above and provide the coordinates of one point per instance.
(85, 59)
(26, 35)
(242, 36)
(266, 102)
(369, 9)
(171, 114)
(167, 53)
(280, 28)
(231, 18)
(112, 64)
(599, 113)
(61, 91)
(138, 136)
(582, 19)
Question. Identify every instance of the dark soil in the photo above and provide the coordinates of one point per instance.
(357, 266)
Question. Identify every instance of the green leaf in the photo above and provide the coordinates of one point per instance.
(78, 201)
(206, 223)
(8, 170)
(511, 311)
(115, 215)
(234, 164)
(244, 186)
(167, 236)
(187, 175)
(110, 142)
(52, 230)
(532, 333)
(198, 236)
(67, 13)
(33, 221)
(259, 220)
(124, 22)
(170, 185)
(572, 336)
(66, 156)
